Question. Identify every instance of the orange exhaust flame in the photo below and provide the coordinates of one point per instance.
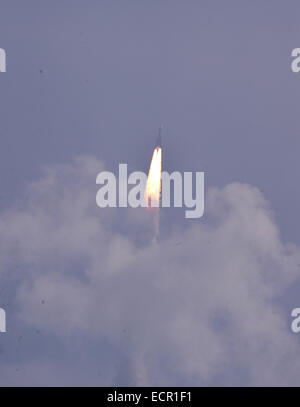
(153, 187)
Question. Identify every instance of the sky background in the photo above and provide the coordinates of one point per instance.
(89, 300)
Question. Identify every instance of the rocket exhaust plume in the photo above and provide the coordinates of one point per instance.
(154, 180)
(153, 187)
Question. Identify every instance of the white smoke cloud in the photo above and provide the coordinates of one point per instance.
(201, 307)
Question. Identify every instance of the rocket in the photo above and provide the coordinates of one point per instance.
(158, 140)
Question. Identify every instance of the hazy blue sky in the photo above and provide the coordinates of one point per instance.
(88, 83)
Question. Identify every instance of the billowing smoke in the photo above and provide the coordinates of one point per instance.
(86, 304)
